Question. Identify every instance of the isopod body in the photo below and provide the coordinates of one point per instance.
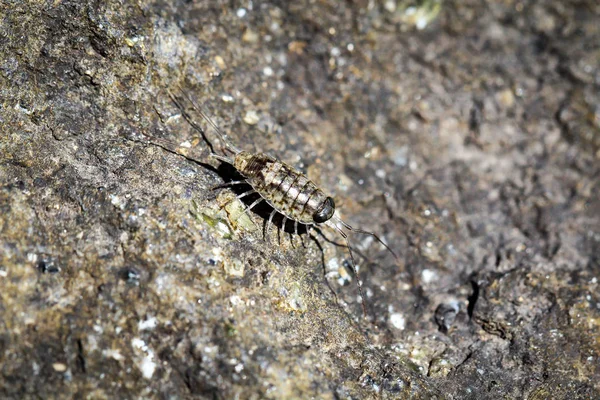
(286, 189)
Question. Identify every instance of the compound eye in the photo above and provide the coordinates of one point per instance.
(324, 212)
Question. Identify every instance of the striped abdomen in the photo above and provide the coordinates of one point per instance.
(287, 190)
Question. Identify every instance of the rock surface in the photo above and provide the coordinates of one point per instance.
(467, 134)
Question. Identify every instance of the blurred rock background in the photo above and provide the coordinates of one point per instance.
(466, 133)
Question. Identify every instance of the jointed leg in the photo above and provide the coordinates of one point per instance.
(249, 192)
(297, 234)
(282, 229)
(307, 233)
(268, 226)
(249, 208)
(222, 158)
(227, 184)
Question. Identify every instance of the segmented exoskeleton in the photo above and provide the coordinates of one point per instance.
(288, 191)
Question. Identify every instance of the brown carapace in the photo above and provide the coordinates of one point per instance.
(288, 191)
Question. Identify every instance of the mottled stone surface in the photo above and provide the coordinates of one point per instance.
(465, 133)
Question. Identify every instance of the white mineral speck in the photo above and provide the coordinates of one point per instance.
(241, 12)
(114, 354)
(59, 367)
(22, 109)
(398, 321)
(251, 117)
(428, 276)
(235, 300)
(223, 228)
(390, 6)
(148, 324)
(268, 71)
(148, 366)
(421, 23)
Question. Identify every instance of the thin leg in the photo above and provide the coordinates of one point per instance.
(268, 226)
(248, 208)
(221, 158)
(283, 221)
(296, 233)
(224, 185)
(307, 227)
(249, 192)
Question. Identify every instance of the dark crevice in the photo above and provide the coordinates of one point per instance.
(473, 298)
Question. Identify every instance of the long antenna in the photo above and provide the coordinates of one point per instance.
(205, 116)
(357, 230)
(164, 144)
(191, 121)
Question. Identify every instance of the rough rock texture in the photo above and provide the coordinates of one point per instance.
(465, 133)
